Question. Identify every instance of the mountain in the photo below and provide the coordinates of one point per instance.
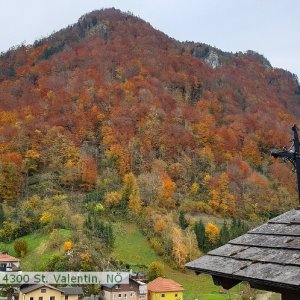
(189, 125)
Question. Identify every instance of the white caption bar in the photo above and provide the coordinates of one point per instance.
(67, 278)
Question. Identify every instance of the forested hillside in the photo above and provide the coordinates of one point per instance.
(110, 117)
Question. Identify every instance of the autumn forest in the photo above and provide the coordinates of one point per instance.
(111, 119)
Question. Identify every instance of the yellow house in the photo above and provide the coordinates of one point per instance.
(48, 292)
(165, 289)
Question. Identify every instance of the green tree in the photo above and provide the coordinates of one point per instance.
(10, 181)
(155, 269)
(57, 263)
(8, 231)
(199, 229)
(237, 228)
(182, 220)
(1, 214)
(224, 234)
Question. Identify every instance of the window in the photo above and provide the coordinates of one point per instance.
(66, 297)
(40, 298)
(125, 296)
(118, 287)
(52, 298)
(131, 295)
(43, 290)
(31, 298)
(162, 295)
(120, 295)
(176, 295)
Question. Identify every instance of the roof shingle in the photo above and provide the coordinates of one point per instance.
(268, 255)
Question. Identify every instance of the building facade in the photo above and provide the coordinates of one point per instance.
(165, 289)
(134, 290)
(9, 263)
(48, 292)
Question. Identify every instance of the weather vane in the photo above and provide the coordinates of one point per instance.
(292, 155)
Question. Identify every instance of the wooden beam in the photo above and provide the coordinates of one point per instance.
(290, 296)
(226, 283)
(285, 294)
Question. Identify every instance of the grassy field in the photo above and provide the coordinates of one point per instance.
(133, 248)
(38, 251)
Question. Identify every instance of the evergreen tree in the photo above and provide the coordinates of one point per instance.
(182, 221)
(88, 222)
(224, 234)
(200, 235)
(1, 215)
(102, 230)
(237, 228)
(109, 236)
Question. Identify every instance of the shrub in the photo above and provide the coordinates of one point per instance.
(157, 246)
(155, 269)
(190, 206)
(21, 248)
(56, 239)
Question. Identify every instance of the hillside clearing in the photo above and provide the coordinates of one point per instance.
(38, 251)
(132, 247)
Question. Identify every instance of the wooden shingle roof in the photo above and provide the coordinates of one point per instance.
(268, 257)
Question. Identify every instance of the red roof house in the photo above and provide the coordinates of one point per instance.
(164, 289)
(9, 263)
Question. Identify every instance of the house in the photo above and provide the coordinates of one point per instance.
(48, 292)
(9, 263)
(165, 289)
(72, 292)
(134, 290)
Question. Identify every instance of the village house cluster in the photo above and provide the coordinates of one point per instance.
(136, 289)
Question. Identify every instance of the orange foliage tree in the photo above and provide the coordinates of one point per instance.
(88, 172)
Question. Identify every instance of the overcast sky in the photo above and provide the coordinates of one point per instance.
(270, 27)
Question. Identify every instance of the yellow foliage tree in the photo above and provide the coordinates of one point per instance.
(45, 217)
(117, 153)
(71, 173)
(68, 246)
(194, 188)
(191, 244)
(212, 232)
(221, 199)
(179, 249)
(112, 199)
(32, 154)
(131, 193)
(86, 261)
(134, 202)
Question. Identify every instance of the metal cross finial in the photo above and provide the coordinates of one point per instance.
(292, 155)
